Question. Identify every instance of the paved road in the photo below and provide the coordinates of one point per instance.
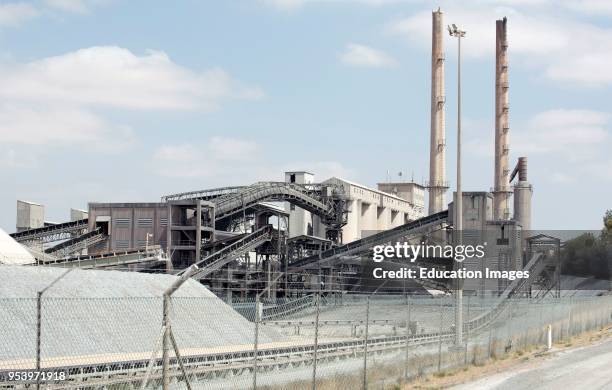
(579, 368)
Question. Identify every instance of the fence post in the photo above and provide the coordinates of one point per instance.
(38, 331)
(166, 343)
(365, 347)
(407, 336)
(316, 342)
(570, 319)
(256, 341)
(39, 295)
(467, 330)
(440, 335)
(490, 335)
(549, 337)
(185, 276)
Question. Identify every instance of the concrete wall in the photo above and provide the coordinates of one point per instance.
(503, 248)
(409, 191)
(300, 221)
(371, 210)
(76, 214)
(29, 215)
(477, 209)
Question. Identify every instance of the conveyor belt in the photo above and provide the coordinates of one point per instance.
(231, 252)
(365, 244)
(77, 244)
(61, 231)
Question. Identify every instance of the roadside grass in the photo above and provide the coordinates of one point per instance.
(420, 370)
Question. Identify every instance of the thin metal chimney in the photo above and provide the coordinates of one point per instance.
(501, 189)
(437, 184)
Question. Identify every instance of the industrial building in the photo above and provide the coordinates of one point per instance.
(30, 215)
(302, 234)
(368, 209)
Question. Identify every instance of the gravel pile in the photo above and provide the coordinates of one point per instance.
(90, 312)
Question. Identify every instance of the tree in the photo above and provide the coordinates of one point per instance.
(606, 233)
(589, 255)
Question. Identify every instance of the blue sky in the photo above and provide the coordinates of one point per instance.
(110, 100)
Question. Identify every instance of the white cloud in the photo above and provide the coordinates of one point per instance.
(573, 134)
(15, 159)
(286, 5)
(562, 178)
(564, 49)
(227, 160)
(365, 56)
(53, 126)
(567, 145)
(322, 169)
(292, 5)
(594, 7)
(76, 6)
(56, 100)
(217, 157)
(114, 76)
(13, 14)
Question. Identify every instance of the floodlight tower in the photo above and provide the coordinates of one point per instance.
(454, 31)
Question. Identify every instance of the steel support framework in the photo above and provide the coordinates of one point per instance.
(327, 201)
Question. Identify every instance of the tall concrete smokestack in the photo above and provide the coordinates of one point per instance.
(437, 183)
(501, 189)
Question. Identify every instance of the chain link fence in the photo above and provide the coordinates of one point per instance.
(324, 341)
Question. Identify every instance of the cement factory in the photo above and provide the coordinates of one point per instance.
(265, 283)
(305, 234)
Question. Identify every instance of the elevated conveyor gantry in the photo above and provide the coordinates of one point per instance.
(327, 201)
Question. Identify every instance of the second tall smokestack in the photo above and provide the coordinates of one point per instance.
(501, 189)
